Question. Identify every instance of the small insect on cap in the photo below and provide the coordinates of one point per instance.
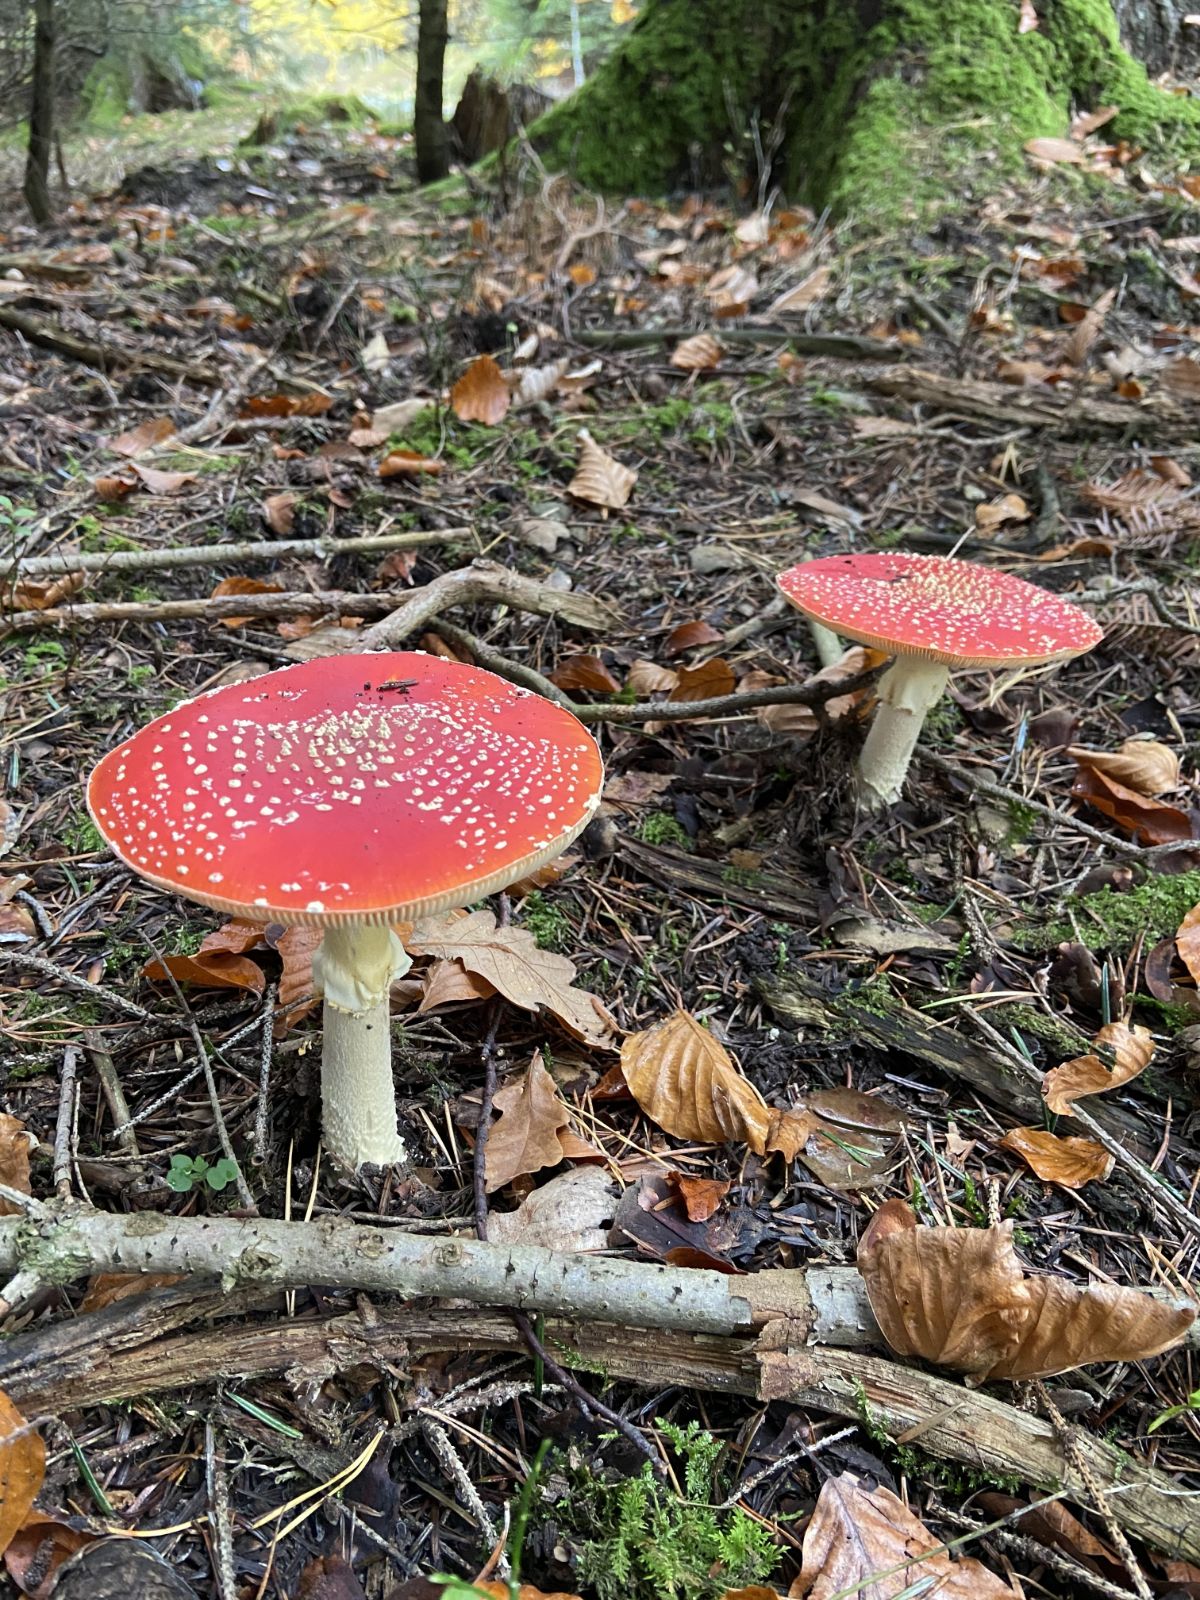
(939, 608)
(350, 789)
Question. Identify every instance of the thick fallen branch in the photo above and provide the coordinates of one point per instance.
(330, 604)
(220, 555)
(105, 357)
(129, 1350)
(1035, 407)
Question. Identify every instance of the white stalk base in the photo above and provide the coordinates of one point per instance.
(830, 649)
(354, 968)
(907, 691)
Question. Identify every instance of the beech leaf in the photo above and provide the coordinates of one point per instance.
(701, 1196)
(22, 1468)
(1069, 1162)
(511, 961)
(959, 1297)
(684, 1080)
(1133, 1050)
(153, 431)
(585, 672)
(526, 1137)
(855, 1533)
(1148, 821)
(1143, 765)
(1187, 942)
(600, 479)
(704, 682)
(481, 394)
(14, 1161)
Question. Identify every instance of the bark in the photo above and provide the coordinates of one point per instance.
(1155, 32)
(429, 127)
(41, 115)
(837, 89)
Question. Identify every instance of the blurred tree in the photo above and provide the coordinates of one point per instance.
(429, 125)
(41, 114)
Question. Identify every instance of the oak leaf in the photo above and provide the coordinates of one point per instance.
(526, 1137)
(600, 479)
(959, 1297)
(1133, 1050)
(1069, 1162)
(481, 394)
(511, 961)
(1144, 765)
(684, 1080)
(867, 1542)
(22, 1468)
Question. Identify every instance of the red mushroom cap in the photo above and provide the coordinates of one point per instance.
(945, 610)
(357, 788)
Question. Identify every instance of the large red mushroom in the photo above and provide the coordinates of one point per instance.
(932, 613)
(350, 793)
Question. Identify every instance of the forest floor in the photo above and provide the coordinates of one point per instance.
(264, 345)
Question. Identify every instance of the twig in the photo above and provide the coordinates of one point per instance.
(110, 1084)
(332, 603)
(787, 694)
(219, 1517)
(94, 991)
(1034, 1551)
(503, 666)
(104, 357)
(214, 1098)
(851, 346)
(64, 1127)
(197, 555)
(1152, 591)
(264, 1074)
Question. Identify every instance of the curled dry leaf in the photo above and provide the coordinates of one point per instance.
(449, 983)
(802, 295)
(647, 677)
(1070, 1162)
(1006, 508)
(536, 383)
(22, 1468)
(239, 585)
(38, 1549)
(701, 1196)
(600, 479)
(568, 1213)
(14, 1161)
(700, 353)
(1187, 942)
(481, 394)
(585, 672)
(867, 1542)
(510, 960)
(526, 1137)
(279, 512)
(221, 961)
(1144, 765)
(1133, 1050)
(409, 464)
(162, 483)
(959, 1297)
(396, 418)
(287, 405)
(153, 431)
(1054, 152)
(35, 594)
(106, 1288)
(1087, 331)
(1148, 821)
(684, 1080)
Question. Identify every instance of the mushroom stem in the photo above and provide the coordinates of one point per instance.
(353, 969)
(907, 691)
(828, 646)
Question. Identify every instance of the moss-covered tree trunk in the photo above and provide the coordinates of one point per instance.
(868, 104)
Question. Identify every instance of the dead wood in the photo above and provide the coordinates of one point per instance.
(1035, 407)
(104, 357)
(848, 346)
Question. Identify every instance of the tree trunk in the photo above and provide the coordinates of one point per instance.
(429, 126)
(41, 115)
(1155, 32)
(893, 107)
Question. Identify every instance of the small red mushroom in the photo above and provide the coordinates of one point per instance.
(932, 613)
(350, 793)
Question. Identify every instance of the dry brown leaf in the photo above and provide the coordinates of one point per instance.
(734, 285)
(34, 594)
(1070, 1162)
(700, 353)
(409, 464)
(789, 1131)
(525, 1591)
(802, 295)
(38, 1549)
(510, 960)
(240, 585)
(647, 677)
(1053, 152)
(585, 672)
(1133, 1050)
(1148, 821)
(22, 1468)
(147, 434)
(396, 418)
(959, 1297)
(684, 1080)
(1187, 942)
(856, 1533)
(526, 1137)
(481, 394)
(219, 963)
(1143, 765)
(449, 983)
(689, 636)
(163, 483)
(568, 1213)
(106, 1288)
(279, 512)
(705, 681)
(295, 947)
(701, 1196)
(1088, 330)
(287, 405)
(1088, 121)
(1006, 508)
(1029, 20)
(600, 479)
(1182, 378)
(14, 1161)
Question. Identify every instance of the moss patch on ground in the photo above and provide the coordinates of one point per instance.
(1111, 920)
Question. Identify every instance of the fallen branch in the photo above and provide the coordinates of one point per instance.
(785, 694)
(330, 604)
(1031, 407)
(198, 555)
(849, 346)
(104, 357)
(128, 1350)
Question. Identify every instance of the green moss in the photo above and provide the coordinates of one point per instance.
(659, 828)
(923, 1468)
(1109, 920)
(549, 924)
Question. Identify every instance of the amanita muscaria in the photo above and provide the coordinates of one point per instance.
(932, 613)
(350, 793)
